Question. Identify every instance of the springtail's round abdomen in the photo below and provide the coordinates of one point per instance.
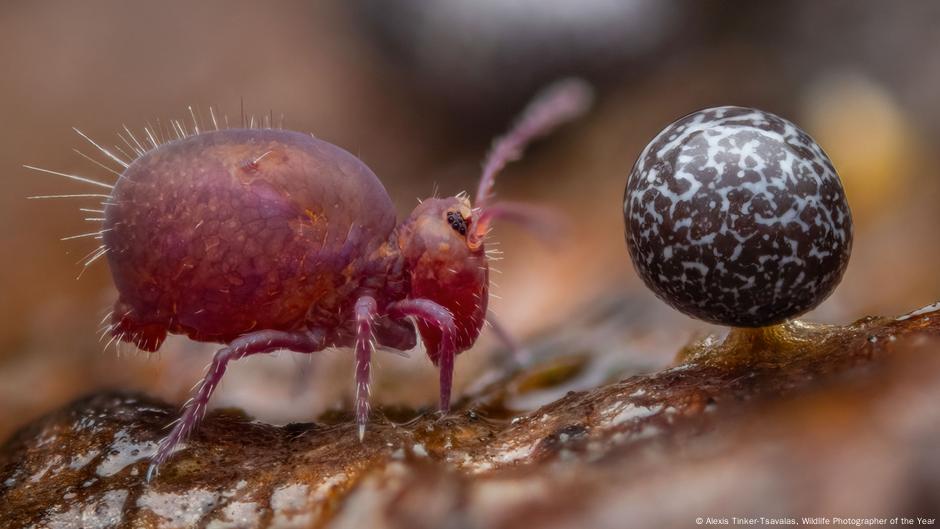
(229, 231)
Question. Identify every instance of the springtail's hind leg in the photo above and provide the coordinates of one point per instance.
(365, 313)
(195, 407)
(434, 314)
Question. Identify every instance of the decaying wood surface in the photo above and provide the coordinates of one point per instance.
(801, 421)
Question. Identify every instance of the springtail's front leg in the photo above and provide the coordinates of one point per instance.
(195, 407)
(434, 314)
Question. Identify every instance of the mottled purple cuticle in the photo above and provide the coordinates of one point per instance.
(736, 216)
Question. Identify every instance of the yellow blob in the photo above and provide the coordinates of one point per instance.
(867, 136)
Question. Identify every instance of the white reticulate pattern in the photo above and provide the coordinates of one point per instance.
(736, 216)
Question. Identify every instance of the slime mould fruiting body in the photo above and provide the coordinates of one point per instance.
(266, 239)
(736, 216)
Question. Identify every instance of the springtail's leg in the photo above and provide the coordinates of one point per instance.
(195, 407)
(365, 313)
(434, 314)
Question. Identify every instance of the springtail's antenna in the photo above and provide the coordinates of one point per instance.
(557, 104)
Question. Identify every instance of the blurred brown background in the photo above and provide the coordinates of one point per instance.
(417, 89)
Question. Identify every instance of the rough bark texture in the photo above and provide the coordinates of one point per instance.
(796, 421)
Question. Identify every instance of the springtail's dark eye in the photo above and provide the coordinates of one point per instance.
(457, 222)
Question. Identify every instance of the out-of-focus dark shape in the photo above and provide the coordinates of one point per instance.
(891, 45)
(856, 405)
(480, 59)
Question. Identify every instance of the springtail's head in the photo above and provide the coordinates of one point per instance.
(443, 239)
(445, 268)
